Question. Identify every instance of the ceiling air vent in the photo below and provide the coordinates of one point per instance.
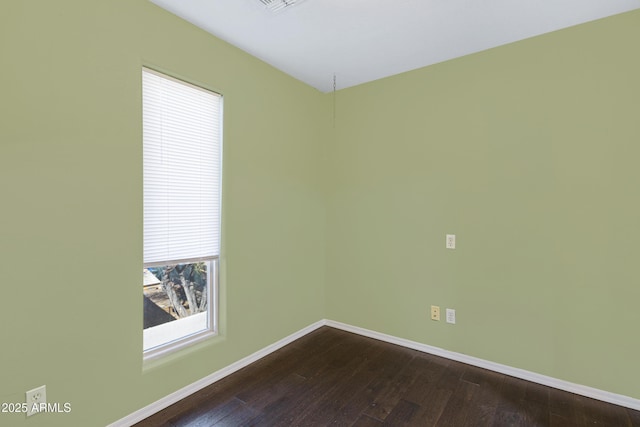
(276, 5)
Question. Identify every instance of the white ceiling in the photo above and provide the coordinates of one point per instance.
(365, 40)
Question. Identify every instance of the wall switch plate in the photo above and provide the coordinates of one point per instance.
(451, 315)
(451, 241)
(35, 398)
(435, 312)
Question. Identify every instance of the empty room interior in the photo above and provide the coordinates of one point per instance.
(336, 200)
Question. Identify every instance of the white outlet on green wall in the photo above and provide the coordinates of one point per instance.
(451, 315)
(450, 242)
(35, 398)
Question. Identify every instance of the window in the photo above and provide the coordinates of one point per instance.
(182, 151)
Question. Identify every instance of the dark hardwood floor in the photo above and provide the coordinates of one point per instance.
(335, 378)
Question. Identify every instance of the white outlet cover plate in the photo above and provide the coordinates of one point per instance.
(35, 397)
(450, 242)
(451, 315)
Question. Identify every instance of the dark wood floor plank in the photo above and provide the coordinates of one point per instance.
(535, 413)
(601, 413)
(333, 377)
(396, 388)
(481, 376)
(457, 411)
(566, 406)
(484, 405)
(381, 370)
(535, 405)
(560, 421)
(537, 393)
(271, 413)
(403, 414)
(509, 409)
(209, 417)
(303, 361)
(426, 381)
(339, 365)
(513, 390)
(634, 417)
(335, 400)
(511, 418)
(275, 391)
(365, 421)
(428, 392)
(431, 410)
(452, 375)
(351, 377)
(238, 417)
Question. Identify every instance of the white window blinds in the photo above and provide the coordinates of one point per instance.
(182, 143)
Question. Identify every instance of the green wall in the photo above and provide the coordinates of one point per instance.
(529, 154)
(71, 188)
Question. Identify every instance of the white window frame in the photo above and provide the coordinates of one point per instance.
(174, 335)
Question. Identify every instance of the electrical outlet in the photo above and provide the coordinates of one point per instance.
(450, 242)
(435, 312)
(451, 315)
(35, 398)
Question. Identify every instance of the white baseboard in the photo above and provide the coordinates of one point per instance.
(174, 397)
(582, 390)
